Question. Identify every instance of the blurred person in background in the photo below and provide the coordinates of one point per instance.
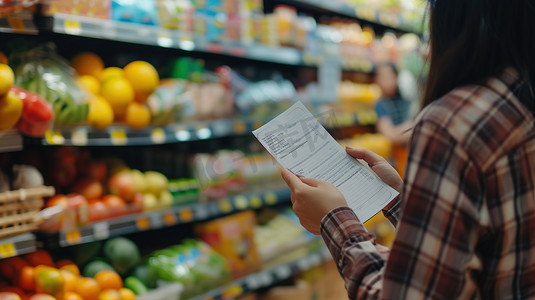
(465, 216)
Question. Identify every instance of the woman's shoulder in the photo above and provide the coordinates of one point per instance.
(486, 120)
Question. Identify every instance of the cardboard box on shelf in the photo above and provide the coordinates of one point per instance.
(233, 237)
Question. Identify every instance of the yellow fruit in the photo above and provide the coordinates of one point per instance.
(89, 83)
(110, 73)
(48, 280)
(127, 294)
(10, 110)
(6, 79)
(71, 296)
(143, 77)
(70, 281)
(88, 288)
(100, 113)
(119, 93)
(109, 295)
(137, 115)
(88, 63)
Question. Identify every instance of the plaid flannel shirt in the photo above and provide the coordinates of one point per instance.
(467, 224)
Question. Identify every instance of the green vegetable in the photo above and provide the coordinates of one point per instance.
(136, 285)
(92, 268)
(123, 253)
(146, 275)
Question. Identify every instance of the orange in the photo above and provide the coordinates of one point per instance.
(109, 280)
(143, 77)
(71, 296)
(127, 294)
(119, 93)
(42, 296)
(7, 77)
(70, 281)
(137, 115)
(71, 268)
(39, 257)
(109, 295)
(100, 113)
(88, 288)
(110, 73)
(27, 278)
(89, 83)
(15, 290)
(88, 63)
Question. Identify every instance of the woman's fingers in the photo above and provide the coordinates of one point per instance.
(291, 179)
(311, 181)
(368, 156)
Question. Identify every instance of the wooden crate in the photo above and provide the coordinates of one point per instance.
(18, 209)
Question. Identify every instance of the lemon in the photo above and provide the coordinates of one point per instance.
(10, 110)
(6, 79)
(143, 77)
(100, 113)
(137, 115)
(110, 73)
(119, 93)
(89, 83)
(88, 63)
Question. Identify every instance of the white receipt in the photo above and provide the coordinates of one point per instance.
(300, 143)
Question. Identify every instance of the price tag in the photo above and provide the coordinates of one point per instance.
(169, 218)
(72, 27)
(252, 282)
(156, 220)
(164, 39)
(118, 137)
(157, 135)
(315, 260)
(54, 137)
(143, 223)
(215, 48)
(241, 202)
(16, 23)
(186, 215)
(79, 137)
(73, 237)
(7, 250)
(233, 291)
(182, 134)
(239, 127)
(271, 198)
(303, 264)
(255, 202)
(225, 206)
(283, 272)
(237, 51)
(101, 231)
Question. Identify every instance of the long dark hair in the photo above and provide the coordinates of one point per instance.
(473, 40)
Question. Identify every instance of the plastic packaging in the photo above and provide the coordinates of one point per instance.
(45, 73)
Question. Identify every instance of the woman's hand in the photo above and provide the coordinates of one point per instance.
(381, 167)
(312, 199)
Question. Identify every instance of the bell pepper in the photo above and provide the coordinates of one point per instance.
(37, 114)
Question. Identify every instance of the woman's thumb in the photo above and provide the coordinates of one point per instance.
(311, 181)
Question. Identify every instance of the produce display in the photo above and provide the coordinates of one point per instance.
(36, 276)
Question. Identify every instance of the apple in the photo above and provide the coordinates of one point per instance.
(166, 199)
(98, 211)
(9, 296)
(95, 169)
(57, 200)
(136, 206)
(156, 182)
(89, 188)
(116, 205)
(139, 180)
(63, 174)
(122, 185)
(150, 202)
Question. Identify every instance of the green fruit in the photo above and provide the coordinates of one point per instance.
(123, 253)
(92, 268)
(146, 275)
(84, 253)
(136, 285)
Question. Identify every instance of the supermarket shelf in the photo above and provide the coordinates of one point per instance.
(165, 218)
(268, 277)
(18, 22)
(383, 18)
(17, 245)
(10, 140)
(156, 36)
(124, 136)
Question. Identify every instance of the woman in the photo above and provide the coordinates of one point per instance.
(466, 213)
